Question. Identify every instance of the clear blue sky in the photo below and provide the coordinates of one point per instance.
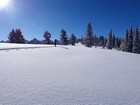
(34, 17)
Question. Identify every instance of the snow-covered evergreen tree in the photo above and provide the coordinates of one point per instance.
(130, 39)
(116, 43)
(105, 42)
(72, 39)
(113, 41)
(139, 36)
(89, 36)
(47, 36)
(101, 41)
(126, 40)
(82, 40)
(122, 45)
(95, 41)
(63, 37)
(109, 41)
(136, 42)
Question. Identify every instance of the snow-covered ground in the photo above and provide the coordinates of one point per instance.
(68, 75)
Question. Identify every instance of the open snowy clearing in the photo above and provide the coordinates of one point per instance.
(67, 75)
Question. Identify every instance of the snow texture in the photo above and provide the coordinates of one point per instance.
(67, 75)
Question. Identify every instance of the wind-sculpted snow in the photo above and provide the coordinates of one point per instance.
(68, 75)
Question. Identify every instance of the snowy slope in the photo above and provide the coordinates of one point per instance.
(68, 75)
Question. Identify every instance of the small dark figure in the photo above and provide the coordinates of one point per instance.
(55, 42)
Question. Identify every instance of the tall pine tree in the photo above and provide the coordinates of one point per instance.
(116, 43)
(89, 36)
(110, 40)
(136, 42)
(122, 45)
(47, 36)
(130, 39)
(113, 41)
(126, 40)
(63, 37)
(72, 39)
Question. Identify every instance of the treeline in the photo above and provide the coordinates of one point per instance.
(16, 36)
(91, 39)
(130, 42)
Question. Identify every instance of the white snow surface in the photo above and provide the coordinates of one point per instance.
(67, 75)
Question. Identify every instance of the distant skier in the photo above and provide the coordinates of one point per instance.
(55, 42)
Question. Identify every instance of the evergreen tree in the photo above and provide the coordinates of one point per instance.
(47, 36)
(122, 45)
(126, 40)
(101, 41)
(89, 36)
(72, 39)
(95, 40)
(20, 38)
(130, 39)
(113, 41)
(78, 40)
(63, 37)
(12, 36)
(109, 41)
(16, 36)
(105, 42)
(82, 40)
(117, 43)
(139, 37)
(136, 42)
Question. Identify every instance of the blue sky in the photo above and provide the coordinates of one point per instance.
(34, 17)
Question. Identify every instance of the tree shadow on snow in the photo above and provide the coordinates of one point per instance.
(21, 48)
(25, 48)
(64, 47)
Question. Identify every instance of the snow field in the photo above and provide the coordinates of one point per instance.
(68, 75)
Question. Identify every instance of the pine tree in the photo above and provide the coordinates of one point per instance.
(117, 45)
(110, 40)
(82, 40)
(12, 36)
(122, 45)
(95, 40)
(16, 36)
(126, 40)
(119, 42)
(63, 37)
(47, 36)
(113, 41)
(139, 37)
(105, 42)
(101, 41)
(136, 42)
(130, 39)
(89, 36)
(72, 39)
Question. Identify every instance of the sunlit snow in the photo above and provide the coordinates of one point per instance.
(68, 75)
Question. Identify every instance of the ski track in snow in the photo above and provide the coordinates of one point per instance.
(68, 75)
